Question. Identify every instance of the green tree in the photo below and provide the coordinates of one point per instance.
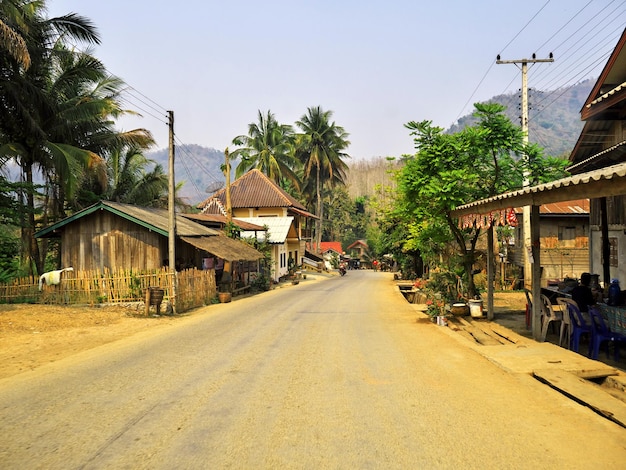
(11, 40)
(321, 149)
(451, 169)
(268, 147)
(30, 104)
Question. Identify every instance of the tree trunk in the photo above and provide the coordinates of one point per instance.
(31, 254)
(318, 222)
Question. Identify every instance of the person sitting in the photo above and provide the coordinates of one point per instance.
(582, 294)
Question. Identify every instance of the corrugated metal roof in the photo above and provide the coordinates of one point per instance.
(221, 219)
(225, 248)
(148, 217)
(253, 189)
(576, 207)
(278, 228)
(609, 181)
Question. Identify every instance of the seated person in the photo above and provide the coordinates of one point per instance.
(582, 294)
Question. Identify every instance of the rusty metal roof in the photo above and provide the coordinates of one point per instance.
(576, 207)
(609, 181)
(253, 189)
(225, 248)
(148, 217)
(221, 220)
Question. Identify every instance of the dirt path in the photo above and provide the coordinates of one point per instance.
(33, 335)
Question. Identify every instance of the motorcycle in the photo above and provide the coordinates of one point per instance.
(342, 270)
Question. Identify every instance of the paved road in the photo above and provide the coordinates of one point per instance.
(327, 374)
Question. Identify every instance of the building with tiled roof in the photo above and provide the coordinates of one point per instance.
(255, 199)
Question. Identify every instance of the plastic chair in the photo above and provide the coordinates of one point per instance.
(529, 308)
(602, 334)
(579, 325)
(566, 323)
(549, 316)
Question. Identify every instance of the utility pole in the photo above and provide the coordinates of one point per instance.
(532, 264)
(229, 207)
(171, 190)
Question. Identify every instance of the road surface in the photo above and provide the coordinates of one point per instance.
(331, 374)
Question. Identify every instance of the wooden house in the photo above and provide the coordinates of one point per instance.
(564, 238)
(601, 144)
(255, 199)
(115, 236)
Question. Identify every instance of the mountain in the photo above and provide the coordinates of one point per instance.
(197, 166)
(554, 124)
(553, 116)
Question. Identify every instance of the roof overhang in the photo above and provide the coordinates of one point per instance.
(609, 181)
(224, 247)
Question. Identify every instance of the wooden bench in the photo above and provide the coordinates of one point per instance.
(241, 289)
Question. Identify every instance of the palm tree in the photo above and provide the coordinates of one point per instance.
(10, 40)
(51, 111)
(268, 147)
(320, 149)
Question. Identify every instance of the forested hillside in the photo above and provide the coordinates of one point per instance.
(554, 125)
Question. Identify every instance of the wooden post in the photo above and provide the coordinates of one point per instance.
(147, 301)
(490, 272)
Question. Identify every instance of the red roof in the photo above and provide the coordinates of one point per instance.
(335, 246)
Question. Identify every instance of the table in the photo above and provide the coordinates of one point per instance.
(553, 293)
(615, 317)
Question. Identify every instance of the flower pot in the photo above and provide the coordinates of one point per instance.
(224, 297)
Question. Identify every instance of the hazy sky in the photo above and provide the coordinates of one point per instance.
(375, 64)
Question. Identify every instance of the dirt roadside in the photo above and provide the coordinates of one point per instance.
(32, 335)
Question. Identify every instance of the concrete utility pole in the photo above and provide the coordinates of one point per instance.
(171, 190)
(532, 266)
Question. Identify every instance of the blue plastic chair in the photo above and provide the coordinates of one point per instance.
(579, 326)
(602, 334)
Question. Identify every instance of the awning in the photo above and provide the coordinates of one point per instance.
(224, 247)
(609, 181)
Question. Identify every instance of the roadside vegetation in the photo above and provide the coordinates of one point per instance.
(60, 151)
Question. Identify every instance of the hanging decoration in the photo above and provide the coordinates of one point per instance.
(494, 218)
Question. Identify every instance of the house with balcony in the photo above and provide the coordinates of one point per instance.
(256, 199)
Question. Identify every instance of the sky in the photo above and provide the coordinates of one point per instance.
(375, 64)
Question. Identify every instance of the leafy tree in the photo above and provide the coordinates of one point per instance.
(321, 149)
(451, 169)
(31, 104)
(268, 147)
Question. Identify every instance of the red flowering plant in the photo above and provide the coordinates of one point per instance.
(435, 306)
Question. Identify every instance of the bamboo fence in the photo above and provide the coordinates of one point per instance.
(194, 288)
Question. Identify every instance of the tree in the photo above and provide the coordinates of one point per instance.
(449, 170)
(30, 104)
(320, 148)
(10, 39)
(268, 147)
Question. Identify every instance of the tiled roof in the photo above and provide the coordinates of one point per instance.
(335, 246)
(253, 189)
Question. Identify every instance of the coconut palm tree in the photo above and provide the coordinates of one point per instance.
(268, 147)
(11, 40)
(46, 109)
(320, 149)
